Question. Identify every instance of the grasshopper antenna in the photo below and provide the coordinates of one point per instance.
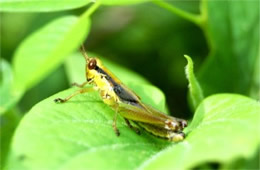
(84, 53)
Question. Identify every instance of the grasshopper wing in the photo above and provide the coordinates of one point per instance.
(155, 112)
(140, 114)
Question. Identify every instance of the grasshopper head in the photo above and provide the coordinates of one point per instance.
(92, 65)
(91, 68)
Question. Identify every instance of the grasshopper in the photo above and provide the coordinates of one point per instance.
(126, 103)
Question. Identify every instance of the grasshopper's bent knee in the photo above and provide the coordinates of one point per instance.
(80, 85)
(81, 91)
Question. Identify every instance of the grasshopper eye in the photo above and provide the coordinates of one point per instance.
(92, 64)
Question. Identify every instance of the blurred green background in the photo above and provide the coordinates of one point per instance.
(144, 38)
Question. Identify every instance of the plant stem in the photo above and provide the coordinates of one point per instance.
(196, 19)
(204, 26)
(92, 9)
(201, 20)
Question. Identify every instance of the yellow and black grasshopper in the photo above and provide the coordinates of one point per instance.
(126, 103)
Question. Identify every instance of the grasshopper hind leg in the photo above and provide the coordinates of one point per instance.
(175, 136)
(114, 124)
(81, 91)
(132, 127)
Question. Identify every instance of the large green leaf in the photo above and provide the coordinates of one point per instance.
(40, 5)
(225, 127)
(45, 49)
(233, 28)
(55, 5)
(79, 135)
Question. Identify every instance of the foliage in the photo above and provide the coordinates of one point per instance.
(6, 90)
(79, 134)
(218, 119)
(235, 47)
(195, 92)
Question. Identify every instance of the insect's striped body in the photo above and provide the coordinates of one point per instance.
(125, 102)
(115, 94)
(110, 88)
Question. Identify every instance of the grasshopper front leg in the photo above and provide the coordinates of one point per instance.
(81, 91)
(80, 85)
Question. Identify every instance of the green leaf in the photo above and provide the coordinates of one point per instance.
(40, 5)
(8, 94)
(233, 30)
(79, 134)
(55, 5)
(195, 92)
(122, 2)
(225, 127)
(51, 44)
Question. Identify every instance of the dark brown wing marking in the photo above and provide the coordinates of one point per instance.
(124, 95)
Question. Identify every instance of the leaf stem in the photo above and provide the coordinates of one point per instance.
(196, 19)
(201, 20)
(91, 10)
(204, 23)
